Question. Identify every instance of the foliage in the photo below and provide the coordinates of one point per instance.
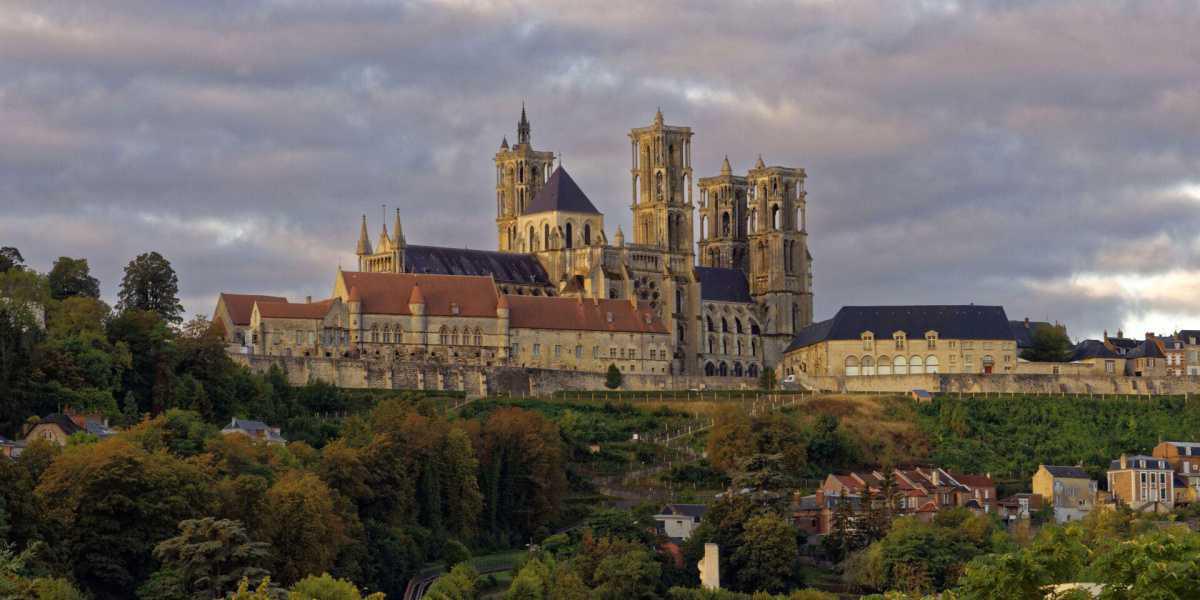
(72, 277)
(612, 379)
(1050, 344)
(459, 584)
(455, 552)
(327, 587)
(302, 526)
(767, 380)
(209, 556)
(150, 284)
(766, 557)
(11, 259)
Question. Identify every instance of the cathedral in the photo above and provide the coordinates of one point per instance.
(559, 292)
(732, 313)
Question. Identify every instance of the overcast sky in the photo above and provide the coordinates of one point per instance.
(1041, 156)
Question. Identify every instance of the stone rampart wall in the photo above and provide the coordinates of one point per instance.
(1017, 384)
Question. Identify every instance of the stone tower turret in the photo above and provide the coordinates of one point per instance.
(723, 226)
(520, 172)
(780, 264)
(662, 186)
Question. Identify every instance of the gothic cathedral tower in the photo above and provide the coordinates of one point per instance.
(520, 173)
(780, 264)
(723, 241)
(662, 186)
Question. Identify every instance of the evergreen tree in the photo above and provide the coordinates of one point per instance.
(130, 413)
(767, 380)
(612, 379)
(211, 555)
(72, 277)
(150, 284)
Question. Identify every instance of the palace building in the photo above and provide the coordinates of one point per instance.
(559, 292)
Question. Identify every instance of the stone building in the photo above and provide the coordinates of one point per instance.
(1142, 482)
(1069, 490)
(866, 341)
(757, 276)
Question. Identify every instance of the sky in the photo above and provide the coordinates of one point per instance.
(1044, 156)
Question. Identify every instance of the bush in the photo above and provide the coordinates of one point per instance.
(454, 552)
(612, 380)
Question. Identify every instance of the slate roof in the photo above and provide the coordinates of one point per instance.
(256, 428)
(695, 511)
(1067, 472)
(1186, 448)
(1023, 331)
(1187, 335)
(505, 267)
(1140, 461)
(63, 421)
(955, 322)
(1145, 349)
(1092, 349)
(723, 285)
(560, 192)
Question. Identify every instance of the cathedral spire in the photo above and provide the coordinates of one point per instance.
(364, 243)
(504, 143)
(523, 127)
(385, 242)
(760, 164)
(658, 118)
(725, 168)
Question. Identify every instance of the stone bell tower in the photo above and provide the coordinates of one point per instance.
(520, 173)
(723, 224)
(662, 186)
(780, 264)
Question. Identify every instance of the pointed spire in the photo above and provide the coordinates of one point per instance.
(760, 164)
(523, 127)
(658, 118)
(385, 242)
(397, 232)
(364, 244)
(619, 237)
(725, 168)
(504, 143)
(416, 297)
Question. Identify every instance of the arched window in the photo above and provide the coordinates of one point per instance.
(752, 370)
(532, 240)
(899, 366)
(723, 370)
(931, 364)
(712, 345)
(884, 365)
(546, 236)
(737, 325)
(753, 224)
(868, 365)
(454, 336)
(680, 332)
(708, 319)
(754, 330)
(724, 325)
(800, 225)
(533, 173)
(739, 347)
(374, 335)
(443, 335)
(776, 218)
(387, 336)
(658, 186)
(724, 346)
(753, 346)
(737, 369)
(725, 224)
(916, 365)
(704, 228)
(679, 301)
(852, 366)
(796, 317)
(570, 241)
(587, 234)
(478, 337)
(520, 174)
(709, 369)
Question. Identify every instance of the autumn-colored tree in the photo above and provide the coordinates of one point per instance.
(110, 503)
(302, 526)
(521, 472)
(730, 438)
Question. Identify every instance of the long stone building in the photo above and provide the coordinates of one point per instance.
(559, 292)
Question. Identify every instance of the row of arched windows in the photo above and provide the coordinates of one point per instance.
(738, 346)
(450, 336)
(737, 325)
(723, 369)
(568, 234)
(885, 365)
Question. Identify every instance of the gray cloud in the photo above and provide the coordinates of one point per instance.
(957, 151)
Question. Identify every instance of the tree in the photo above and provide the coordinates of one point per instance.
(302, 526)
(616, 569)
(459, 584)
(150, 284)
(1050, 344)
(766, 558)
(767, 381)
(110, 503)
(211, 555)
(454, 552)
(130, 414)
(612, 379)
(730, 438)
(11, 259)
(327, 587)
(72, 277)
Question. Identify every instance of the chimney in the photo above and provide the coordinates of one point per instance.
(1106, 334)
(819, 496)
(1124, 462)
(308, 299)
(1026, 322)
(1120, 333)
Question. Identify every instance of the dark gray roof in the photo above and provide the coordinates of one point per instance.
(1140, 461)
(695, 511)
(1124, 343)
(63, 421)
(1023, 331)
(248, 425)
(1187, 335)
(1068, 472)
(561, 193)
(956, 322)
(723, 285)
(1145, 349)
(1092, 349)
(505, 267)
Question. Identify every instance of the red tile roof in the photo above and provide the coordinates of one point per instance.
(542, 312)
(241, 305)
(299, 310)
(975, 481)
(389, 293)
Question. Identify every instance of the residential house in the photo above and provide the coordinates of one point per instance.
(255, 430)
(1191, 350)
(1019, 506)
(10, 448)
(677, 521)
(57, 428)
(1184, 459)
(1101, 357)
(1143, 358)
(1142, 482)
(1069, 490)
(1174, 355)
